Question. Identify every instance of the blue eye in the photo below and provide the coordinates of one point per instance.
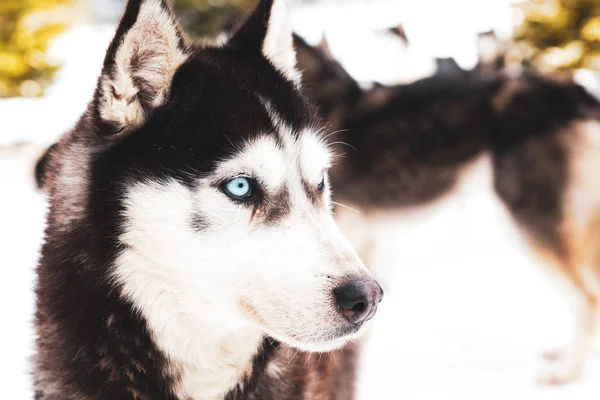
(238, 187)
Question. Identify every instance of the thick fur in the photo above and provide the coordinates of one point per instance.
(153, 283)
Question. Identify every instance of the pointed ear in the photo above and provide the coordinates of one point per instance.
(325, 48)
(268, 30)
(140, 63)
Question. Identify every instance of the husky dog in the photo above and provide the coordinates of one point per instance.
(190, 251)
(414, 143)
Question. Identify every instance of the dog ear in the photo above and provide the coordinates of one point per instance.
(140, 63)
(269, 31)
(325, 48)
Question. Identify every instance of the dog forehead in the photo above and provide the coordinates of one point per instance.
(262, 156)
(305, 144)
(274, 158)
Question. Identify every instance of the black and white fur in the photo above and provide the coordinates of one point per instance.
(153, 283)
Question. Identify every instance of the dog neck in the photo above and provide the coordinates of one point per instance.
(209, 365)
(208, 357)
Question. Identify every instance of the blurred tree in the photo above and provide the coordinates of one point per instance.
(560, 34)
(207, 17)
(26, 28)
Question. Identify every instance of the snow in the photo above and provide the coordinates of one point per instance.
(468, 308)
(21, 220)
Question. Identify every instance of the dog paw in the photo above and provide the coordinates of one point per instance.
(560, 373)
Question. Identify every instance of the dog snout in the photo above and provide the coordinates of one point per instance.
(358, 299)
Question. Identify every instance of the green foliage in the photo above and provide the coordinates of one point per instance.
(26, 28)
(560, 34)
(206, 17)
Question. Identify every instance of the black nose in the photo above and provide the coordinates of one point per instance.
(358, 299)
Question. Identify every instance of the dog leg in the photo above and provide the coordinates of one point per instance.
(567, 365)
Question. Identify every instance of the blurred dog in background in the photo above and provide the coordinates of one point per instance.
(412, 144)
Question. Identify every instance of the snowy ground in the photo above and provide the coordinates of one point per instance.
(467, 309)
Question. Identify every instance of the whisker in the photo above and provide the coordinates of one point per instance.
(343, 143)
(292, 359)
(345, 206)
(308, 360)
(333, 133)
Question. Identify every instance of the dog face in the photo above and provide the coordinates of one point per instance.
(209, 170)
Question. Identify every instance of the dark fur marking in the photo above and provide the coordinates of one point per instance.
(198, 222)
(252, 383)
(277, 207)
(312, 192)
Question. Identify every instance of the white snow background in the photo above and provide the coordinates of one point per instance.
(469, 309)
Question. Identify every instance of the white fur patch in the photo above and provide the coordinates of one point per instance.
(278, 46)
(150, 52)
(315, 158)
(169, 283)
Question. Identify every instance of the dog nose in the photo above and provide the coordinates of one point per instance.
(358, 299)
